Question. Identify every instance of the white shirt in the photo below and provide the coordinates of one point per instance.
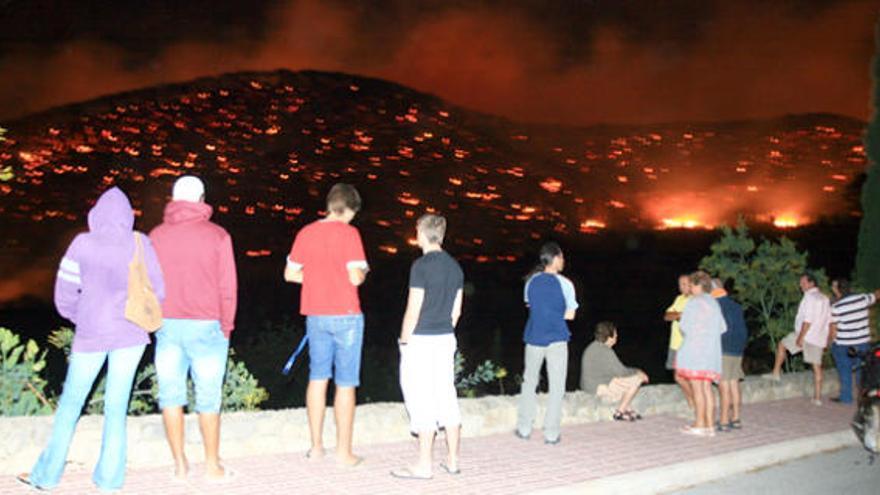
(815, 309)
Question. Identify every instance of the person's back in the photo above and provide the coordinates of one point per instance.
(325, 250)
(92, 284)
(733, 341)
(548, 296)
(441, 277)
(599, 365)
(195, 254)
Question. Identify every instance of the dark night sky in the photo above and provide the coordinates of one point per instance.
(541, 60)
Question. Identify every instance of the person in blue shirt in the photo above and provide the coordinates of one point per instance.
(733, 343)
(551, 301)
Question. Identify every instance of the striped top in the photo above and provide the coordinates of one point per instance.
(850, 314)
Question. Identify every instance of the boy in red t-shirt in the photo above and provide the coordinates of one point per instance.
(328, 259)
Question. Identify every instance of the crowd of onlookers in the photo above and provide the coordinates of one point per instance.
(109, 274)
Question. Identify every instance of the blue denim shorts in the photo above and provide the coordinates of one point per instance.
(196, 347)
(335, 348)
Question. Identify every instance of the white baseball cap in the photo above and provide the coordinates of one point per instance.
(188, 188)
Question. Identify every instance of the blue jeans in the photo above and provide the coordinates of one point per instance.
(335, 348)
(844, 365)
(198, 347)
(109, 473)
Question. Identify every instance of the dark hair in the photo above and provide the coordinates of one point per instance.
(604, 331)
(548, 251)
(342, 196)
(702, 279)
(842, 285)
(810, 277)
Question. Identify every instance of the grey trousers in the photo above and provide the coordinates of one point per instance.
(556, 355)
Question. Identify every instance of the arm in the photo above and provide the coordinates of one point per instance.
(456, 307)
(832, 334)
(293, 273)
(356, 259)
(411, 315)
(671, 316)
(805, 327)
(228, 286)
(571, 304)
(68, 283)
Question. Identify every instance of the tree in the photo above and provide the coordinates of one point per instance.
(868, 254)
(765, 276)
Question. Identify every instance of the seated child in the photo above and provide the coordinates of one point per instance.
(603, 374)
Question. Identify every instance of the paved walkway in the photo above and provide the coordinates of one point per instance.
(500, 464)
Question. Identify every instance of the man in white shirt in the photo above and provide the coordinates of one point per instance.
(810, 334)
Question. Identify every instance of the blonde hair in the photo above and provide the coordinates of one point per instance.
(433, 227)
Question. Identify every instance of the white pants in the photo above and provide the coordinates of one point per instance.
(427, 378)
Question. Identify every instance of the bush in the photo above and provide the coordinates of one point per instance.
(485, 373)
(22, 389)
(241, 391)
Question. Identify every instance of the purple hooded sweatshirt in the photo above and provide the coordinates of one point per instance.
(92, 282)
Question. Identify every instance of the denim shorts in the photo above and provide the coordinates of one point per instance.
(196, 347)
(335, 348)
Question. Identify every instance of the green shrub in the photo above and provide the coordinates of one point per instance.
(485, 373)
(241, 391)
(22, 389)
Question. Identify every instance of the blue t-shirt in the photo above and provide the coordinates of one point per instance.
(548, 296)
(733, 341)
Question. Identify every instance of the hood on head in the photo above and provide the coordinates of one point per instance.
(187, 211)
(112, 213)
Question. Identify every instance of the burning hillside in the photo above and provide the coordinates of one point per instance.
(269, 145)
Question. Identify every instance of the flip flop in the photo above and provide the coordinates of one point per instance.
(446, 468)
(408, 474)
(735, 424)
(25, 479)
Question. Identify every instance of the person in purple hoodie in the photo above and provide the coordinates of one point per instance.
(91, 288)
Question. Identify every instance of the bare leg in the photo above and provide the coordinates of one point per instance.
(172, 417)
(627, 399)
(709, 413)
(725, 393)
(780, 358)
(699, 405)
(209, 424)
(453, 442)
(343, 408)
(735, 399)
(687, 390)
(817, 381)
(426, 448)
(316, 405)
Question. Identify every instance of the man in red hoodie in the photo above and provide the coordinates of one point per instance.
(199, 310)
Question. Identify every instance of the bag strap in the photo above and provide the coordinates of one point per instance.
(139, 255)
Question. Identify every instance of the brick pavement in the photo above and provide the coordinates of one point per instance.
(500, 464)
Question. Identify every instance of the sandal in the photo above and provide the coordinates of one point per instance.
(623, 416)
(635, 416)
(25, 479)
(735, 424)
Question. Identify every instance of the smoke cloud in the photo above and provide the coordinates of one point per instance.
(746, 61)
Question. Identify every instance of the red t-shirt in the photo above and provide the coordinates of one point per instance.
(325, 250)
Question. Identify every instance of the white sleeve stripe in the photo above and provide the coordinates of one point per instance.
(70, 265)
(568, 293)
(356, 264)
(68, 277)
(294, 266)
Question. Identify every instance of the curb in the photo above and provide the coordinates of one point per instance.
(687, 474)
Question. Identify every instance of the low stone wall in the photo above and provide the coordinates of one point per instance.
(267, 432)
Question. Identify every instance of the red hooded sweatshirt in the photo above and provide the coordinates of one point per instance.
(198, 264)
